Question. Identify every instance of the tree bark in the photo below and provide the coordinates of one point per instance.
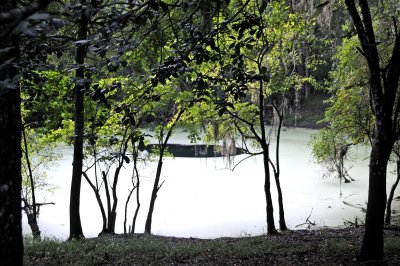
(386, 108)
(31, 214)
(147, 228)
(391, 194)
(267, 174)
(282, 222)
(372, 247)
(267, 189)
(11, 245)
(74, 213)
(99, 201)
(32, 221)
(136, 172)
(163, 145)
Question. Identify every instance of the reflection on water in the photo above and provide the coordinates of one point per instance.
(203, 198)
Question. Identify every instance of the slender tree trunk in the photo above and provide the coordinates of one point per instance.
(31, 215)
(74, 213)
(276, 168)
(156, 187)
(391, 195)
(282, 222)
(113, 216)
(147, 228)
(267, 189)
(99, 202)
(267, 174)
(126, 209)
(11, 246)
(137, 192)
(108, 198)
(137, 206)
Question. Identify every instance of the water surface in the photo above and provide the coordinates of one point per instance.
(204, 198)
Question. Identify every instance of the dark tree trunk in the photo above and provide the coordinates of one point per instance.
(163, 145)
(372, 248)
(147, 228)
(30, 211)
(391, 194)
(267, 174)
(113, 215)
(282, 222)
(136, 172)
(99, 201)
(137, 206)
(108, 199)
(32, 221)
(267, 189)
(74, 213)
(126, 209)
(11, 246)
(385, 104)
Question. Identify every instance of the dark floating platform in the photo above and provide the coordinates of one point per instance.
(198, 150)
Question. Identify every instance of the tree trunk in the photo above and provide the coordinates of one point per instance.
(30, 212)
(33, 224)
(267, 174)
(386, 108)
(163, 141)
(282, 222)
(147, 228)
(11, 245)
(137, 207)
(99, 201)
(372, 246)
(391, 195)
(126, 209)
(75, 219)
(137, 192)
(267, 189)
(113, 215)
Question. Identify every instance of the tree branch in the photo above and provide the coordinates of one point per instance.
(19, 14)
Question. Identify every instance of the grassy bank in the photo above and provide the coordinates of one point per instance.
(305, 247)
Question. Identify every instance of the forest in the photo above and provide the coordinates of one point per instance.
(115, 81)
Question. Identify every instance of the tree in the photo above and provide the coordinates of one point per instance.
(385, 105)
(38, 156)
(257, 72)
(11, 246)
(173, 111)
(394, 186)
(79, 117)
(349, 122)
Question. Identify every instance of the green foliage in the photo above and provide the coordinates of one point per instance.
(46, 99)
(43, 155)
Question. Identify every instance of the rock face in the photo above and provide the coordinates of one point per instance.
(197, 150)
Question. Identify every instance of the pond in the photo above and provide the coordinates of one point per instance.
(203, 197)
